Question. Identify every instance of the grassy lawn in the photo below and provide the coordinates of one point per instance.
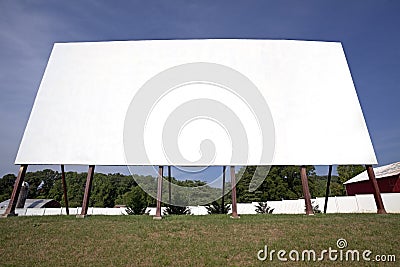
(214, 240)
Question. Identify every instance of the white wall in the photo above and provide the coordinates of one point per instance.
(341, 204)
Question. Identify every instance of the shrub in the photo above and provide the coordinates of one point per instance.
(180, 207)
(263, 208)
(176, 210)
(136, 201)
(315, 207)
(216, 208)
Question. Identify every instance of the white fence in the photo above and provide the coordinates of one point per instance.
(342, 204)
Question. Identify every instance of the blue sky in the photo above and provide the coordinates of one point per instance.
(368, 30)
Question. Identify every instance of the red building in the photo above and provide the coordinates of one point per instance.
(388, 178)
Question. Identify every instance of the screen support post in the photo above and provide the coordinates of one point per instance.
(377, 194)
(223, 190)
(328, 185)
(306, 190)
(234, 204)
(159, 193)
(169, 185)
(10, 211)
(64, 184)
(88, 189)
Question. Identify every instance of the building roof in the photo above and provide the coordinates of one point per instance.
(35, 203)
(380, 172)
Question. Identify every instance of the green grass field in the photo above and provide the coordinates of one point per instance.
(214, 240)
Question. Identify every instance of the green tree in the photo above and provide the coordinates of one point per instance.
(40, 182)
(76, 186)
(122, 183)
(281, 182)
(6, 186)
(103, 192)
(56, 192)
(347, 172)
(136, 201)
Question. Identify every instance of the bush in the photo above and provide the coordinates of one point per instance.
(315, 207)
(136, 201)
(263, 208)
(176, 210)
(216, 208)
(180, 207)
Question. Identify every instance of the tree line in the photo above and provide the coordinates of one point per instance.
(109, 190)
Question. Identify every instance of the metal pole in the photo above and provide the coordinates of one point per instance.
(234, 204)
(169, 184)
(10, 211)
(328, 184)
(64, 184)
(159, 193)
(223, 190)
(88, 189)
(306, 190)
(376, 192)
